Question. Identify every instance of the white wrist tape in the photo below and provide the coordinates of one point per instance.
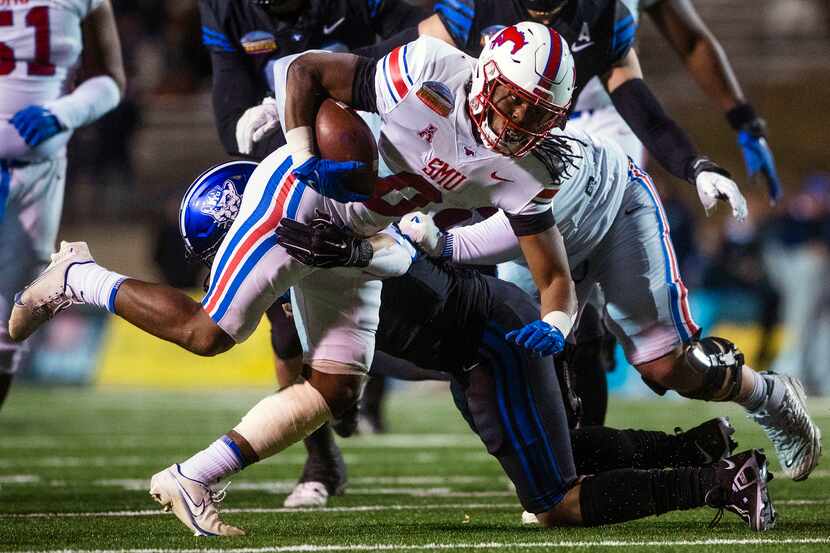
(560, 320)
(87, 103)
(300, 141)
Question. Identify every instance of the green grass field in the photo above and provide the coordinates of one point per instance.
(75, 466)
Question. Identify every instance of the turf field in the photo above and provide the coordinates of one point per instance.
(75, 466)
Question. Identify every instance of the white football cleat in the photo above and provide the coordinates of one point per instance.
(48, 294)
(529, 518)
(788, 425)
(193, 502)
(307, 494)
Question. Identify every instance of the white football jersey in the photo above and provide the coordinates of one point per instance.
(426, 131)
(40, 42)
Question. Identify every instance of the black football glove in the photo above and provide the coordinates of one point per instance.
(323, 243)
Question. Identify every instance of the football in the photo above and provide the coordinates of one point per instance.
(343, 136)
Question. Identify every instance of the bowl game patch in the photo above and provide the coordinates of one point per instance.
(437, 97)
(258, 42)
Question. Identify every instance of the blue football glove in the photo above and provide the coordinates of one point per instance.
(539, 337)
(35, 124)
(327, 178)
(758, 159)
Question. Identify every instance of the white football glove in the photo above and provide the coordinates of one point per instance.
(421, 230)
(712, 187)
(257, 123)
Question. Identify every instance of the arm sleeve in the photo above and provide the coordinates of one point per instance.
(488, 242)
(87, 103)
(364, 97)
(457, 17)
(662, 137)
(532, 223)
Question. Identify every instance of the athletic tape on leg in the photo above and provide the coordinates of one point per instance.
(284, 418)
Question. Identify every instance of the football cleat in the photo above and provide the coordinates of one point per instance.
(529, 518)
(48, 294)
(741, 487)
(324, 475)
(712, 440)
(192, 501)
(796, 438)
(307, 494)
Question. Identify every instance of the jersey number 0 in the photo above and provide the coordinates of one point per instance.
(37, 17)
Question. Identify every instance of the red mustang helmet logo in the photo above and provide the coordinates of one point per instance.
(510, 34)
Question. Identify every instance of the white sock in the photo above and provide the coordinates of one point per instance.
(221, 459)
(95, 285)
(757, 398)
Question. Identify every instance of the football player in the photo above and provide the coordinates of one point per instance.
(616, 236)
(453, 319)
(595, 113)
(244, 38)
(439, 315)
(40, 44)
(601, 35)
(441, 154)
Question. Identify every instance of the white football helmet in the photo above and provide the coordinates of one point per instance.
(534, 62)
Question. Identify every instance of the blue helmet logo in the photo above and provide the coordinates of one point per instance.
(210, 206)
(222, 203)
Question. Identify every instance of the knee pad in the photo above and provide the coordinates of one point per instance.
(719, 361)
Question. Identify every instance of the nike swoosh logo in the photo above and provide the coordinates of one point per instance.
(582, 46)
(328, 29)
(729, 464)
(494, 176)
(196, 509)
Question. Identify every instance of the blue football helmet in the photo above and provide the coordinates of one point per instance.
(210, 206)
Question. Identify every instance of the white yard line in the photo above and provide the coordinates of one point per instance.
(385, 441)
(468, 546)
(50, 461)
(356, 509)
(19, 479)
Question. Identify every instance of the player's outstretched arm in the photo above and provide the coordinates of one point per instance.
(705, 60)
(548, 263)
(665, 140)
(326, 245)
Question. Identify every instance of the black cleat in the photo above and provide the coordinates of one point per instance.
(711, 440)
(742, 489)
